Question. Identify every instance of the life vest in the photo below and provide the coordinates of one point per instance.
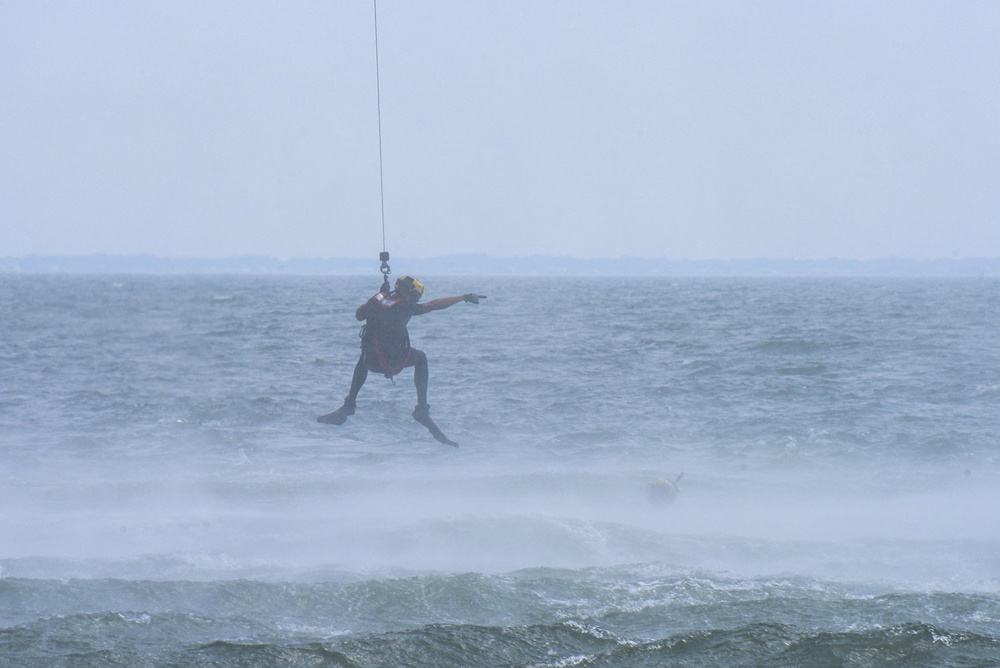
(386, 300)
(386, 346)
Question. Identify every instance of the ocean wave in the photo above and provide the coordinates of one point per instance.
(524, 646)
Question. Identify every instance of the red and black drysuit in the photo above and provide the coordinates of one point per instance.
(385, 342)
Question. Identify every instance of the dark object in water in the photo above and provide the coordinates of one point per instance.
(662, 491)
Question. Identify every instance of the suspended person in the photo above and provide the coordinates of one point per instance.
(385, 346)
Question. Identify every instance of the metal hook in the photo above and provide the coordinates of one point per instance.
(384, 257)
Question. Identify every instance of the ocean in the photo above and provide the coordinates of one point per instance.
(168, 498)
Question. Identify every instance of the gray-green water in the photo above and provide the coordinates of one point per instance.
(169, 500)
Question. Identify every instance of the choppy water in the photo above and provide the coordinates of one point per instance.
(169, 500)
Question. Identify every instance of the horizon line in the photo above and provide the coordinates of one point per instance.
(484, 264)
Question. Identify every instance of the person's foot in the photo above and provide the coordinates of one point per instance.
(339, 416)
(422, 412)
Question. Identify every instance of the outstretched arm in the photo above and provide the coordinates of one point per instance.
(445, 302)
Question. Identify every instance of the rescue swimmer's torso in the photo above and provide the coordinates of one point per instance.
(385, 341)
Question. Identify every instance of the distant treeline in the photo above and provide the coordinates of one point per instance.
(533, 265)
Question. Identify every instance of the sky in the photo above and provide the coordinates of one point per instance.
(699, 129)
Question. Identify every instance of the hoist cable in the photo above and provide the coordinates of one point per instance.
(378, 101)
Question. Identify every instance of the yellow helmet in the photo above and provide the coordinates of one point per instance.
(408, 283)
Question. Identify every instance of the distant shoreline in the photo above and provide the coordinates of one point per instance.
(482, 265)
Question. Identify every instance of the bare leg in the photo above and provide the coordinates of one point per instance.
(420, 375)
(422, 412)
(340, 415)
(360, 376)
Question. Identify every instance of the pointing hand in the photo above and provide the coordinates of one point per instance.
(473, 298)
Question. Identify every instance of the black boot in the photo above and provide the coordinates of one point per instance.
(339, 416)
(422, 414)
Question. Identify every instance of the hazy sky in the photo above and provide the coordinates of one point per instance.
(695, 129)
